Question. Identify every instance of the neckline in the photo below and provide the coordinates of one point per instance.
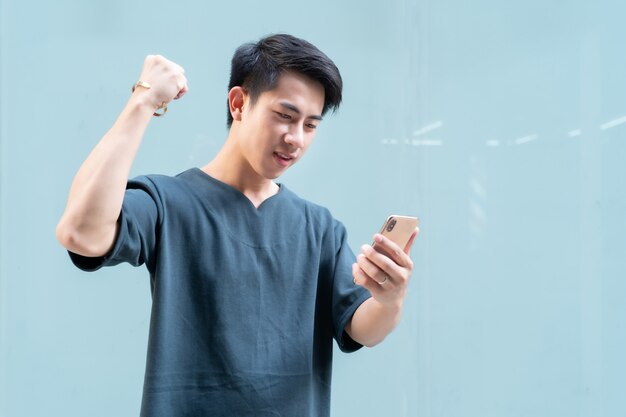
(236, 191)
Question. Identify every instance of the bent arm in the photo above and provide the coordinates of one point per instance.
(88, 226)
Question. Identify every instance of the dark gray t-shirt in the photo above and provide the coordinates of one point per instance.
(246, 301)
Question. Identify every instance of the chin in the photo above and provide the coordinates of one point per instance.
(273, 174)
(269, 174)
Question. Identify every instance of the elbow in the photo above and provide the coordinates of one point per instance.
(70, 237)
(64, 235)
(372, 342)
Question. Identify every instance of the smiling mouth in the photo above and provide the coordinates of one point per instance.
(283, 156)
(283, 160)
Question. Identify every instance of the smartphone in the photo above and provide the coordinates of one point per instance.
(398, 229)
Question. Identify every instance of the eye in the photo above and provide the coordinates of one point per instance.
(311, 126)
(283, 115)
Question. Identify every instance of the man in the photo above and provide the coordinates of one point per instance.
(250, 283)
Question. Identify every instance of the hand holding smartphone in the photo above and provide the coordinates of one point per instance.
(398, 229)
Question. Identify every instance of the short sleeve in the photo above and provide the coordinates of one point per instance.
(346, 296)
(137, 232)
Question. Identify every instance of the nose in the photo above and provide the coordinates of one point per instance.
(295, 136)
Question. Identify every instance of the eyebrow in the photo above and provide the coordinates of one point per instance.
(297, 110)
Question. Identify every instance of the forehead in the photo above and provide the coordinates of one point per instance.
(299, 90)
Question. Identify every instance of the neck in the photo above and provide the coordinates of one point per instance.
(230, 168)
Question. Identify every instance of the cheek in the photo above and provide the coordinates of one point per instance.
(280, 129)
(270, 128)
(309, 140)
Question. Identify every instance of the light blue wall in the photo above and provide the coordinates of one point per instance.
(502, 125)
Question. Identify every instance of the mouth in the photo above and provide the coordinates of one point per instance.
(283, 159)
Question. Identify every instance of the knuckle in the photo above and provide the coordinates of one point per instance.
(410, 264)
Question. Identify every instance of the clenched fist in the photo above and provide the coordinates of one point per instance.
(166, 79)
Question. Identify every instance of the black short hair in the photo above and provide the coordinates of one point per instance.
(257, 67)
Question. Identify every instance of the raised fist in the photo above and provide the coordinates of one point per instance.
(165, 79)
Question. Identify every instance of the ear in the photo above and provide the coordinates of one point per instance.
(236, 98)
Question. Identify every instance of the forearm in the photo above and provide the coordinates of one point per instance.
(373, 321)
(386, 276)
(88, 225)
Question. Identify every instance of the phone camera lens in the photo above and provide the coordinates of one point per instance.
(391, 225)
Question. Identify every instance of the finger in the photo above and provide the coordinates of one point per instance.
(362, 279)
(409, 244)
(371, 270)
(183, 90)
(359, 276)
(390, 250)
(180, 94)
(389, 268)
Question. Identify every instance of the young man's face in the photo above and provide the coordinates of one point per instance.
(277, 130)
